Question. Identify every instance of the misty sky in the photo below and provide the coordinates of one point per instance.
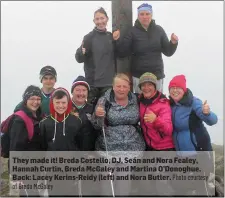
(35, 34)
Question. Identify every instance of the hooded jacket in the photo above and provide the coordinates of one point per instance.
(99, 60)
(61, 132)
(19, 135)
(189, 132)
(158, 135)
(146, 48)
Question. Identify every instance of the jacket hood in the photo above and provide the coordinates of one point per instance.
(138, 25)
(60, 117)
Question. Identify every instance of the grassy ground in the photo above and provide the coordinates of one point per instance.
(4, 178)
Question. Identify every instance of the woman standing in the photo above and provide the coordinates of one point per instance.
(119, 109)
(157, 127)
(25, 136)
(145, 43)
(188, 115)
(97, 54)
(155, 115)
(189, 133)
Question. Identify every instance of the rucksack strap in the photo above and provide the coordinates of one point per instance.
(28, 122)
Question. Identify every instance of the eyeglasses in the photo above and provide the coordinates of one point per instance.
(175, 88)
(35, 99)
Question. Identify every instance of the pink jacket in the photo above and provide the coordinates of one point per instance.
(158, 134)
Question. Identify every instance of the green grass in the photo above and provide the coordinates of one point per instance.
(4, 178)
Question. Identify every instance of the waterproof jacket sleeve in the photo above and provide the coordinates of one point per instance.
(124, 45)
(168, 48)
(86, 43)
(79, 56)
(98, 122)
(18, 135)
(210, 119)
(163, 123)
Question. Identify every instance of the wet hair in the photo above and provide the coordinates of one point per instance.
(102, 11)
(59, 94)
(122, 76)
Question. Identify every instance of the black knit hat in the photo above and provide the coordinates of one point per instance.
(48, 70)
(80, 80)
(31, 91)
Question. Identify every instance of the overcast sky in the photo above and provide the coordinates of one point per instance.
(34, 34)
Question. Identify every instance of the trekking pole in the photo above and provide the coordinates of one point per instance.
(80, 185)
(79, 188)
(101, 104)
(103, 130)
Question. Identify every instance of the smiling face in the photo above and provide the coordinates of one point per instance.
(145, 18)
(60, 105)
(176, 93)
(100, 20)
(80, 94)
(33, 103)
(148, 89)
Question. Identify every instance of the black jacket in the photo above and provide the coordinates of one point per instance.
(146, 48)
(87, 130)
(99, 60)
(69, 141)
(19, 135)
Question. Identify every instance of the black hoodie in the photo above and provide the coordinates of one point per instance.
(146, 48)
(61, 132)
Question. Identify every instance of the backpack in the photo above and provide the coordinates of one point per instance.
(5, 126)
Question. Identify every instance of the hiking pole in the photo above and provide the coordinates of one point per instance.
(79, 188)
(80, 185)
(103, 130)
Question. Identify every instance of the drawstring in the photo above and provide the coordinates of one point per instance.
(64, 125)
(55, 128)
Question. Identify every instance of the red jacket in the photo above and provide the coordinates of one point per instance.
(158, 134)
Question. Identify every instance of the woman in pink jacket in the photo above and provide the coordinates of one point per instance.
(155, 115)
(156, 124)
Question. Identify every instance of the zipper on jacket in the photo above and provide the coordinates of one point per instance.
(174, 128)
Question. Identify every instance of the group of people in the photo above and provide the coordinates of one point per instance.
(103, 113)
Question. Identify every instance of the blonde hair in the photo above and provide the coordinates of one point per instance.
(121, 76)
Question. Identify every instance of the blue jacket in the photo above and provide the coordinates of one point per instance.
(189, 132)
